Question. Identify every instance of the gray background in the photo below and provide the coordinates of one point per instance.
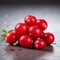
(10, 15)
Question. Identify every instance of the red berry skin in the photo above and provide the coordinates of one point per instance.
(20, 29)
(30, 20)
(25, 41)
(42, 24)
(49, 38)
(39, 43)
(35, 32)
(11, 37)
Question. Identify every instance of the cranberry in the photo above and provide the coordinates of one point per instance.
(25, 41)
(11, 37)
(49, 38)
(35, 32)
(30, 20)
(20, 29)
(42, 24)
(39, 43)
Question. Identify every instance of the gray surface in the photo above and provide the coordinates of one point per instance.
(11, 15)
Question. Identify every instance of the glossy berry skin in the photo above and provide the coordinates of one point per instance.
(35, 32)
(11, 37)
(39, 43)
(49, 38)
(20, 29)
(30, 20)
(25, 41)
(42, 24)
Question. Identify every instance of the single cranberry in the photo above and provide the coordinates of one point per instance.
(39, 43)
(20, 29)
(11, 37)
(35, 32)
(42, 24)
(25, 41)
(30, 20)
(49, 38)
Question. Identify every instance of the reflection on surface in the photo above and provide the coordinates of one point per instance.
(19, 53)
(49, 48)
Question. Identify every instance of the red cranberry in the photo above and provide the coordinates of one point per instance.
(49, 38)
(20, 29)
(25, 41)
(42, 24)
(11, 37)
(30, 20)
(39, 43)
(35, 32)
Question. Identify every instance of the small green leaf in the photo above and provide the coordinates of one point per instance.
(4, 31)
(3, 35)
(10, 30)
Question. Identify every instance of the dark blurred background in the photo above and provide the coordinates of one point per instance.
(29, 1)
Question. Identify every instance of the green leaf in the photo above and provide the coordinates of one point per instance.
(10, 30)
(4, 31)
(3, 35)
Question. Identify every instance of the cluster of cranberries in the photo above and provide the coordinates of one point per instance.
(31, 32)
